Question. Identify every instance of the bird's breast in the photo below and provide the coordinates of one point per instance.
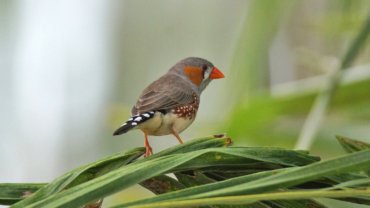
(162, 124)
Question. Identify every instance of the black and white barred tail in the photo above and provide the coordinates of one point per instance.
(133, 122)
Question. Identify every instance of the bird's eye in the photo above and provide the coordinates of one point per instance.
(204, 67)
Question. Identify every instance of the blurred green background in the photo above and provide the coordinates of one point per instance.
(71, 71)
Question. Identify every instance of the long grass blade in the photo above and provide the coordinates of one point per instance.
(81, 175)
(248, 199)
(14, 192)
(319, 108)
(351, 145)
(212, 158)
(283, 179)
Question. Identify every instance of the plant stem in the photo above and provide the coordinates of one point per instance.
(322, 101)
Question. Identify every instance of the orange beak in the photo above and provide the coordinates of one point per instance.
(216, 74)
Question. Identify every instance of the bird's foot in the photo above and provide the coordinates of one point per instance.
(148, 151)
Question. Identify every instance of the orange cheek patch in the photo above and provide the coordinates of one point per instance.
(195, 74)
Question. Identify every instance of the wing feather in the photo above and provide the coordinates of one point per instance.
(167, 92)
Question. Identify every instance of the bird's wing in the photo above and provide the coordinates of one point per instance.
(167, 92)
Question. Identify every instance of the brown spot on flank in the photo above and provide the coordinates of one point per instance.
(188, 111)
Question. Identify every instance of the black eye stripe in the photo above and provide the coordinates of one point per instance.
(204, 68)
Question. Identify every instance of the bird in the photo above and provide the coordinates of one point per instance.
(170, 104)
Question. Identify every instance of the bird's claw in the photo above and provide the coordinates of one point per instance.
(148, 151)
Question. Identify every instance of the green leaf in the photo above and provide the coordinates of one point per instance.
(320, 106)
(351, 145)
(286, 178)
(100, 167)
(294, 204)
(14, 192)
(249, 199)
(253, 47)
(246, 158)
(162, 184)
(212, 158)
(204, 188)
(193, 178)
(358, 43)
(351, 184)
(277, 169)
(81, 175)
(220, 140)
(299, 175)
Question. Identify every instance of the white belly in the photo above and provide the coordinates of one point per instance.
(163, 124)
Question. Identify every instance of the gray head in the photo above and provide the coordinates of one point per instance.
(199, 72)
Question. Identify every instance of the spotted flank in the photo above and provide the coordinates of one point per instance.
(188, 111)
(133, 122)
